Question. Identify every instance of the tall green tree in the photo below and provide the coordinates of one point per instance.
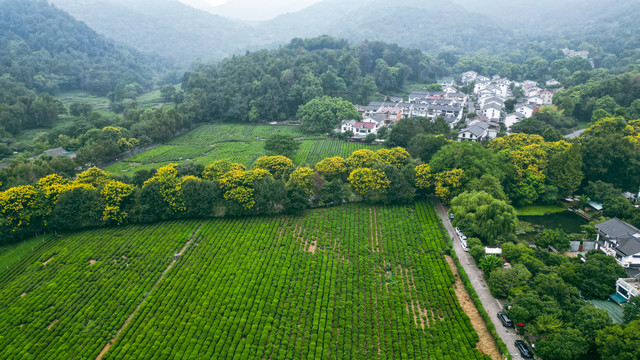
(480, 214)
(325, 114)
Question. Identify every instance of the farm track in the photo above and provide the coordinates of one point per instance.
(155, 286)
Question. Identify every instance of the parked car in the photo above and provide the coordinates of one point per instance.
(505, 319)
(524, 349)
(451, 215)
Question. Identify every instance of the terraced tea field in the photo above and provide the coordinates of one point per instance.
(353, 282)
(240, 143)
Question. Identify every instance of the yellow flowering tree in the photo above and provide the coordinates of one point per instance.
(448, 183)
(363, 158)
(302, 178)
(19, 206)
(332, 168)
(424, 177)
(276, 165)
(114, 194)
(239, 185)
(94, 177)
(632, 132)
(219, 168)
(241, 195)
(513, 141)
(369, 182)
(397, 157)
(170, 186)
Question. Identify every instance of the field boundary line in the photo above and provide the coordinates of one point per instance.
(144, 299)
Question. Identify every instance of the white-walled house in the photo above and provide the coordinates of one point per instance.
(492, 111)
(477, 131)
(628, 288)
(525, 109)
(620, 240)
(513, 119)
(361, 128)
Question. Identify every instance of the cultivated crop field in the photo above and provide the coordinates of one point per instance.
(353, 282)
(241, 144)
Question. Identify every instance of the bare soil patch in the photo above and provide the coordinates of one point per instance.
(48, 261)
(312, 248)
(487, 345)
(53, 323)
(92, 262)
(23, 294)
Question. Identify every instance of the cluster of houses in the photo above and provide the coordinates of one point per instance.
(490, 96)
(449, 103)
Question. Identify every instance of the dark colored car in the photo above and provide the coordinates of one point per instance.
(524, 349)
(505, 319)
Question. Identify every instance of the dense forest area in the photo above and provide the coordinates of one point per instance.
(48, 50)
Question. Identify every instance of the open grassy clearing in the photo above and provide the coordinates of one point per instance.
(355, 282)
(240, 143)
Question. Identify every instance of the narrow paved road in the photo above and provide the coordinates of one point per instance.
(491, 304)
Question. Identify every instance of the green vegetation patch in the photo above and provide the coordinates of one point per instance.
(540, 210)
(68, 298)
(612, 308)
(355, 281)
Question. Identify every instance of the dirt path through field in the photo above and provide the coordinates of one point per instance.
(486, 345)
(164, 274)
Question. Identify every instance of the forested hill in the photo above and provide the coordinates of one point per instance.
(271, 85)
(48, 50)
(425, 24)
(166, 27)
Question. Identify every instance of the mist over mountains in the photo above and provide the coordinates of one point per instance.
(183, 34)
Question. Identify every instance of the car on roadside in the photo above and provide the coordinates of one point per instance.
(524, 349)
(505, 319)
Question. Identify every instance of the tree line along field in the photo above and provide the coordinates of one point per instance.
(241, 144)
(355, 282)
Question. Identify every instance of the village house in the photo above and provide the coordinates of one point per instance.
(526, 109)
(492, 111)
(512, 119)
(620, 240)
(626, 288)
(469, 77)
(478, 130)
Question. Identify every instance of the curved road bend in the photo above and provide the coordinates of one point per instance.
(491, 304)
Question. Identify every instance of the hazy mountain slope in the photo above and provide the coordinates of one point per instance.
(48, 50)
(166, 27)
(422, 24)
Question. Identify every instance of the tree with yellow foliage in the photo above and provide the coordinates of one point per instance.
(332, 168)
(278, 166)
(170, 185)
(114, 194)
(363, 158)
(219, 168)
(302, 178)
(513, 141)
(94, 177)
(448, 183)
(371, 184)
(397, 156)
(424, 177)
(19, 207)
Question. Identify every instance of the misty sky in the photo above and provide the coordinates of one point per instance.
(250, 9)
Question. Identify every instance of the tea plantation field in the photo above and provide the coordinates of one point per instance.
(352, 282)
(240, 143)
